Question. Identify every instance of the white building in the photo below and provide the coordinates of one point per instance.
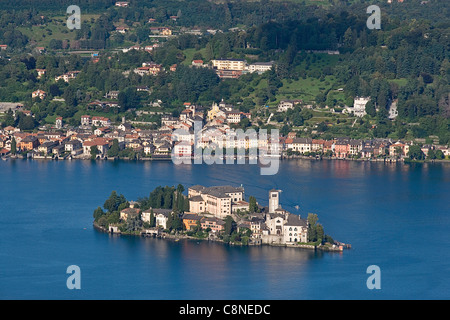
(282, 227)
(85, 120)
(182, 149)
(59, 122)
(285, 105)
(161, 216)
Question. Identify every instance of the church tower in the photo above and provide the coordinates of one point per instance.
(274, 200)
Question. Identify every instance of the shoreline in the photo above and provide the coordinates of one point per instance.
(282, 157)
(175, 238)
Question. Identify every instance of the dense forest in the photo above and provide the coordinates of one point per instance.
(407, 61)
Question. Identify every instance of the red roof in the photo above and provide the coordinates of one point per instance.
(96, 142)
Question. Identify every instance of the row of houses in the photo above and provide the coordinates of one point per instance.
(179, 136)
(161, 216)
(347, 148)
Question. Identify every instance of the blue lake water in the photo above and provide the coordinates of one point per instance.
(395, 216)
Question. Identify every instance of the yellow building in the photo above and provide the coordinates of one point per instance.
(229, 64)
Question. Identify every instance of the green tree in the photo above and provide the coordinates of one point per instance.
(312, 227)
(98, 213)
(114, 150)
(370, 108)
(128, 98)
(439, 155)
(26, 123)
(13, 146)
(416, 153)
(94, 152)
(228, 225)
(152, 219)
(8, 120)
(319, 233)
(431, 154)
(114, 201)
(252, 205)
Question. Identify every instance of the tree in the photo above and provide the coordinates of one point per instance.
(69, 96)
(128, 99)
(319, 233)
(152, 219)
(228, 225)
(416, 153)
(431, 154)
(8, 120)
(94, 152)
(439, 155)
(114, 202)
(98, 213)
(252, 206)
(13, 146)
(312, 227)
(134, 223)
(175, 222)
(26, 122)
(54, 90)
(370, 108)
(114, 150)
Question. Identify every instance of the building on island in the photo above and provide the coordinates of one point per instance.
(129, 213)
(217, 200)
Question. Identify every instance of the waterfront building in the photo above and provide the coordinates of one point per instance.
(191, 220)
(217, 200)
(28, 143)
(161, 216)
(215, 224)
(280, 227)
(129, 213)
(295, 229)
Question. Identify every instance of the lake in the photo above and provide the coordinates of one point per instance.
(396, 216)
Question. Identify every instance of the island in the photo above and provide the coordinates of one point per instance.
(216, 213)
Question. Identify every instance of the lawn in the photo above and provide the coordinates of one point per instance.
(56, 29)
(189, 54)
(305, 89)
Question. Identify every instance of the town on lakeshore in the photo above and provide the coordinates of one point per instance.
(97, 137)
(216, 213)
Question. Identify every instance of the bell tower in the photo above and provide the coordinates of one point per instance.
(274, 200)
